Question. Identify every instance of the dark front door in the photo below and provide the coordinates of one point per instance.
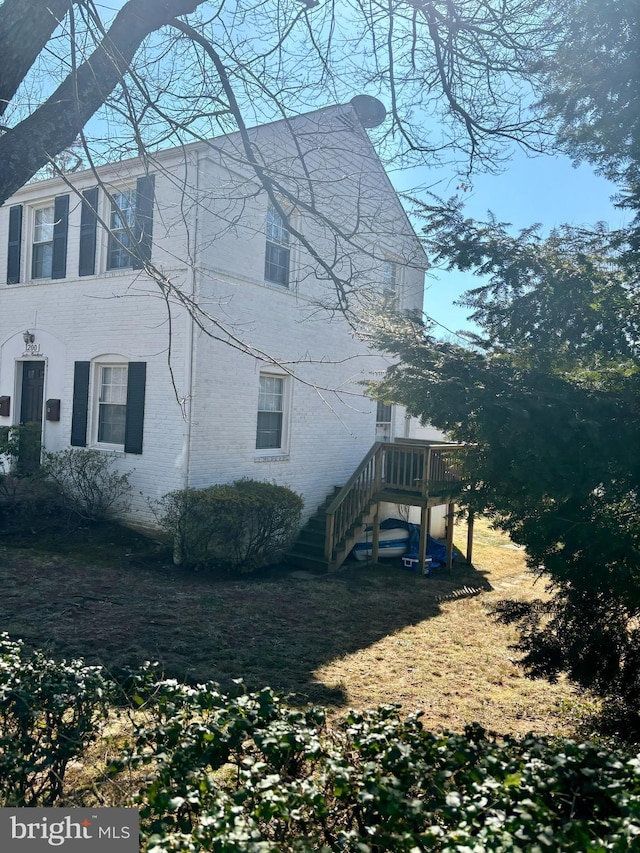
(31, 416)
(32, 391)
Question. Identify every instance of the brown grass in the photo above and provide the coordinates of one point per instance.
(360, 637)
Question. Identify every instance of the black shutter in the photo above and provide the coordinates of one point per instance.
(88, 221)
(60, 227)
(134, 424)
(80, 403)
(144, 220)
(15, 240)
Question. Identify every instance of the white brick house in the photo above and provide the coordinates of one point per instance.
(98, 352)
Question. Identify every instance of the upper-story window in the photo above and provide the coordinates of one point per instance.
(122, 224)
(42, 247)
(278, 253)
(37, 233)
(390, 275)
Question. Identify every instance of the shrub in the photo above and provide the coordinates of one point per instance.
(49, 713)
(241, 526)
(20, 445)
(30, 505)
(250, 774)
(90, 487)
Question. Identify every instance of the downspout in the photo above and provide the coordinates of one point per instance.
(191, 323)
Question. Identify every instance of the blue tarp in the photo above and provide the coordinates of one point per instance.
(436, 550)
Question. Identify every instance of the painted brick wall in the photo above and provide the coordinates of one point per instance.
(209, 235)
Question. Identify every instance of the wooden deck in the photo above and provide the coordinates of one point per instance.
(414, 473)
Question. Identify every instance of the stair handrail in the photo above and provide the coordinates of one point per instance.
(331, 539)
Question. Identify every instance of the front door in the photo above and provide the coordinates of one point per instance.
(31, 416)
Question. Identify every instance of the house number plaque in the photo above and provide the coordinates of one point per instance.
(32, 349)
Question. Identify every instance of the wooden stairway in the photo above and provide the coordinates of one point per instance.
(308, 550)
(412, 473)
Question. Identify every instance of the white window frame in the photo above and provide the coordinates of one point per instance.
(384, 419)
(127, 231)
(280, 241)
(95, 391)
(33, 213)
(283, 449)
(391, 281)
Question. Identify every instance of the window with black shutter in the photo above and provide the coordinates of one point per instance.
(131, 225)
(115, 395)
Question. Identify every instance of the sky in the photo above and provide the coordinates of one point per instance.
(542, 189)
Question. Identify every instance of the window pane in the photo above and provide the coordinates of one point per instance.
(271, 392)
(43, 225)
(113, 386)
(276, 231)
(42, 260)
(276, 265)
(269, 433)
(383, 413)
(123, 209)
(119, 257)
(111, 423)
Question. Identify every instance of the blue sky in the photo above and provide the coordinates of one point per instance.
(543, 189)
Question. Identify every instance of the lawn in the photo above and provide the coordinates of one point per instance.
(358, 637)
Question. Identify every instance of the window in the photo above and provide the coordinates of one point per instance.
(42, 252)
(390, 281)
(383, 413)
(277, 256)
(271, 404)
(112, 404)
(108, 403)
(383, 422)
(122, 225)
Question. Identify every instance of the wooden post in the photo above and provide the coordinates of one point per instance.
(376, 534)
(328, 537)
(422, 552)
(450, 516)
(470, 537)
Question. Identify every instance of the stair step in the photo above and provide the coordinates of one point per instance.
(304, 548)
(311, 537)
(306, 561)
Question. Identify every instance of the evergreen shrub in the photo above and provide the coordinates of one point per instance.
(240, 526)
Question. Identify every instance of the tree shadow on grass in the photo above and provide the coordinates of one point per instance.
(128, 607)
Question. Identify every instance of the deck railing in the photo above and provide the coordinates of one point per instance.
(415, 469)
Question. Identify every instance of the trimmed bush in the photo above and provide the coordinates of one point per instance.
(90, 488)
(241, 526)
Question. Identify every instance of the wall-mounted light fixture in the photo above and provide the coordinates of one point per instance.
(28, 337)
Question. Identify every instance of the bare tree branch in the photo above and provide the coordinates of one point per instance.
(55, 124)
